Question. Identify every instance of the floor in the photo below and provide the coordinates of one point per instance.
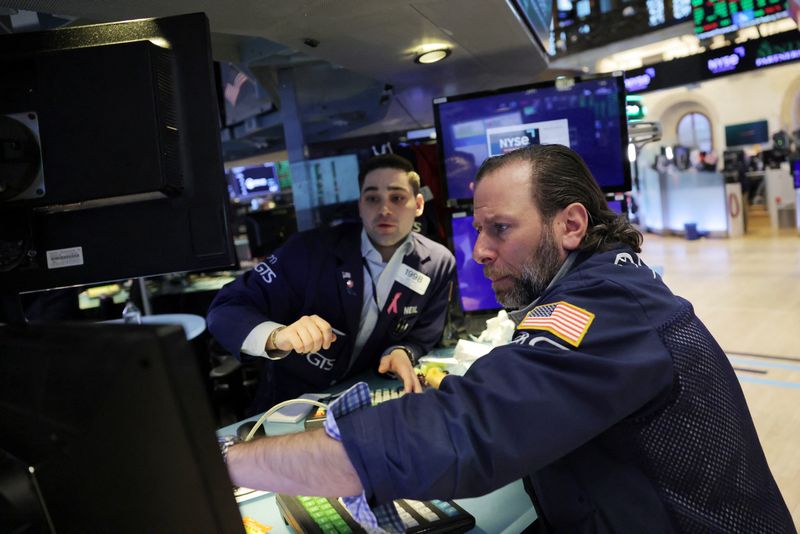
(747, 292)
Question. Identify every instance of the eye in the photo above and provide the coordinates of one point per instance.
(398, 199)
(499, 228)
(371, 199)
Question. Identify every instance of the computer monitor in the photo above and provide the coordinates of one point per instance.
(796, 173)
(617, 206)
(111, 163)
(475, 290)
(585, 114)
(107, 428)
(249, 182)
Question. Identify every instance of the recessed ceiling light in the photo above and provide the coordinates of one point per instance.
(432, 56)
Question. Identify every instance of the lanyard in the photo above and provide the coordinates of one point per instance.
(372, 281)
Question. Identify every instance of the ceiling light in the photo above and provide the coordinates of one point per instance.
(432, 56)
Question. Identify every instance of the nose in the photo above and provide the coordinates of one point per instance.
(385, 208)
(483, 252)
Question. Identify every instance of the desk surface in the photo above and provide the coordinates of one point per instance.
(507, 510)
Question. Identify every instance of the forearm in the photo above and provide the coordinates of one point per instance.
(307, 463)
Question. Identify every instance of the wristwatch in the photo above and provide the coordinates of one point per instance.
(225, 443)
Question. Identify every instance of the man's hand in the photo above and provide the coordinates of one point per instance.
(309, 333)
(397, 362)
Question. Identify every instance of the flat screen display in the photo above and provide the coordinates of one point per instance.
(332, 180)
(796, 173)
(587, 116)
(475, 290)
(242, 95)
(748, 133)
(245, 183)
(616, 206)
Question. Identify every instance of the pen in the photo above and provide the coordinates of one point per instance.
(338, 332)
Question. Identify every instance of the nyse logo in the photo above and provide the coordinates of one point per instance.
(518, 141)
(318, 360)
(267, 274)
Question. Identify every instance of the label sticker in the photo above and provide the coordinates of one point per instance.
(413, 279)
(64, 257)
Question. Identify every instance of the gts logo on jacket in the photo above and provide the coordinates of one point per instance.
(318, 360)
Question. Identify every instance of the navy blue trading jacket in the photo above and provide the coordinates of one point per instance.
(321, 272)
(613, 402)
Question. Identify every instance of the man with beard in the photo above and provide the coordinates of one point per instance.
(381, 287)
(612, 402)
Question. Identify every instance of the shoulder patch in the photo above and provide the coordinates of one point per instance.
(561, 319)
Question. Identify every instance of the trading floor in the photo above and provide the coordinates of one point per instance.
(747, 291)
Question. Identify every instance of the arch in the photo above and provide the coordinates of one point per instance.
(790, 106)
(694, 130)
(671, 109)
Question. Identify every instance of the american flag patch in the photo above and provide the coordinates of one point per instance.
(561, 319)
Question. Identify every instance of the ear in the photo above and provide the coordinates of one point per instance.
(572, 223)
(420, 204)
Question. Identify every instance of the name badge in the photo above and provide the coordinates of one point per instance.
(413, 279)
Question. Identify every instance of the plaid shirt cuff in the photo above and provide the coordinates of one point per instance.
(377, 519)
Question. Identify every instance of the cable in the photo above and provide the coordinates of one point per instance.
(278, 407)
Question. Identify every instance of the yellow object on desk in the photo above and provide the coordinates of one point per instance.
(252, 526)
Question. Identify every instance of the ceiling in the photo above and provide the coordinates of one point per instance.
(361, 77)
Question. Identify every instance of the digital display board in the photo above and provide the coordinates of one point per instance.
(714, 17)
(773, 50)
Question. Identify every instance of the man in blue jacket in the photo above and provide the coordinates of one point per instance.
(384, 288)
(613, 402)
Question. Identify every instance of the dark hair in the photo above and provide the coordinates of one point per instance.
(559, 177)
(390, 161)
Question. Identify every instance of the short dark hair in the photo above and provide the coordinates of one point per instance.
(559, 177)
(390, 161)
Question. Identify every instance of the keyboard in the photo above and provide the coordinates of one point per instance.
(321, 515)
(380, 395)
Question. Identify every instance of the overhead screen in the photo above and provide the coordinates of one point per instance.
(249, 182)
(587, 115)
(715, 17)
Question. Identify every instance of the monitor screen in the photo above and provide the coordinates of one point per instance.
(475, 290)
(617, 206)
(107, 428)
(748, 133)
(588, 116)
(242, 95)
(796, 173)
(715, 17)
(331, 180)
(246, 183)
(117, 170)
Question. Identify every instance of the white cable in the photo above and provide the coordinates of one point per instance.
(278, 407)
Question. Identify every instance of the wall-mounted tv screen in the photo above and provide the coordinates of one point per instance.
(475, 290)
(587, 115)
(242, 95)
(331, 180)
(246, 183)
(748, 133)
